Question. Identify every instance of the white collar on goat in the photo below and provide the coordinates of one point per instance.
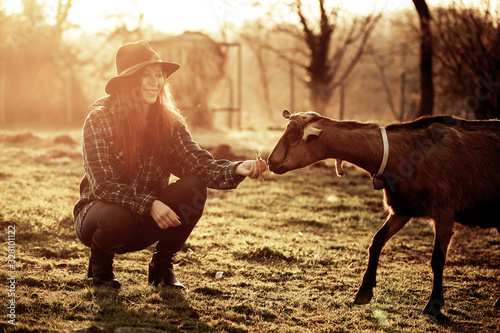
(377, 184)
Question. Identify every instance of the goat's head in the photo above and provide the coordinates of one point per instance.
(299, 145)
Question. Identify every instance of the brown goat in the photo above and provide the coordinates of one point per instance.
(442, 168)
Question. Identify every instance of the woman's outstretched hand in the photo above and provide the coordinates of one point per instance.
(163, 215)
(251, 169)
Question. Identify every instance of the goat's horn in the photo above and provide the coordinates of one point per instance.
(287, 114)
(311, 130)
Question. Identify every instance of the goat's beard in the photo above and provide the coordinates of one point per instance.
(338, 167)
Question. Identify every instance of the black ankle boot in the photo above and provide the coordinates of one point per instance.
(161, 270)
(101, 267)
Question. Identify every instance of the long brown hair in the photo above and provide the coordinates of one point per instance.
(137, 134)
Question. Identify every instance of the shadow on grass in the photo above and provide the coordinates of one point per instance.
(264, 255)
(168, 311)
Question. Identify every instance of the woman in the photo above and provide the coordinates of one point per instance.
(132, 142)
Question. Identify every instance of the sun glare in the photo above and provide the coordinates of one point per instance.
(169, 16)
(12, 6)
(173, 16)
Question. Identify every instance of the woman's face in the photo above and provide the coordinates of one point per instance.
(151, 83)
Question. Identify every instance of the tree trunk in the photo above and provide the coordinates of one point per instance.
(342, 102)
(318, 69)
(320, 95)
(426, 83)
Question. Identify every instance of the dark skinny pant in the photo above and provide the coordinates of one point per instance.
(116, 229)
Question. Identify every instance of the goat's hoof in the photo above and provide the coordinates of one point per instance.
(433, 311)
(363, 297)
(438, 318)
(497, 304)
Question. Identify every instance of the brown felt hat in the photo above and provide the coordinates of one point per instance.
(132, 57)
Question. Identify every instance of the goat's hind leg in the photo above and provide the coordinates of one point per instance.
(443, 230)
(392, 225)
(497, 303)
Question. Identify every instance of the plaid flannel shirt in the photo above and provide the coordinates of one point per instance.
(104, 167)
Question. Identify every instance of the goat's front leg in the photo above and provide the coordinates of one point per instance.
(443, 230)
(392, 225)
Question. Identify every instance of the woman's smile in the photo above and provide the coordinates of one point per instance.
(152, 91)
(151, 82)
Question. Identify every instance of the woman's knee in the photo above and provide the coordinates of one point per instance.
(186, 197)
(194, 185)
(187, 191)
(110, 224)
(117, 219)
(198, 192)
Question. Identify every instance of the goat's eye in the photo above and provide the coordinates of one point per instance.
(293, 135)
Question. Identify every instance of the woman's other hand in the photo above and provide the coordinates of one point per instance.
(251, 169)
(163, 215)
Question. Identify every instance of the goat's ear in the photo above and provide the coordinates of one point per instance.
(311, 131)
(287, 114)
(338, 166)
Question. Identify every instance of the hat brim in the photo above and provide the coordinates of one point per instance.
(168, 69)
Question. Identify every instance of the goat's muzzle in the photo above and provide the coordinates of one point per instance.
(276, 168)
(279, 170)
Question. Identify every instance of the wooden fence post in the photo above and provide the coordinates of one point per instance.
(342, 102)
(69, 99)
(402, 99)
(292, 86)
(3, 80)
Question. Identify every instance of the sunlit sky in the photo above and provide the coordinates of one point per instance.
(176, 16)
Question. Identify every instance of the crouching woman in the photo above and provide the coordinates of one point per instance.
(132, 142)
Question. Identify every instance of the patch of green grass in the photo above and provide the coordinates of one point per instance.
(283, 255)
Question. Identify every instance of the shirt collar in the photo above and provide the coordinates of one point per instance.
(108, 102)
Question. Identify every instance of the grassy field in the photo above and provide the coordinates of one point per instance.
(283, 255)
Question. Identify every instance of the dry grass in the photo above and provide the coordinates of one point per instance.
(292, 251)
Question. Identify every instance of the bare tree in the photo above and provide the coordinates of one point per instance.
(382, 68)
(426, 82)
(468, 59)
(329, 51)
(252, 38)
(61, 18)
(36, 44)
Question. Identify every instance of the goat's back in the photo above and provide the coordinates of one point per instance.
(447, 163)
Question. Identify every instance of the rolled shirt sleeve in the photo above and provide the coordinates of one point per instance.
(188, 158)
